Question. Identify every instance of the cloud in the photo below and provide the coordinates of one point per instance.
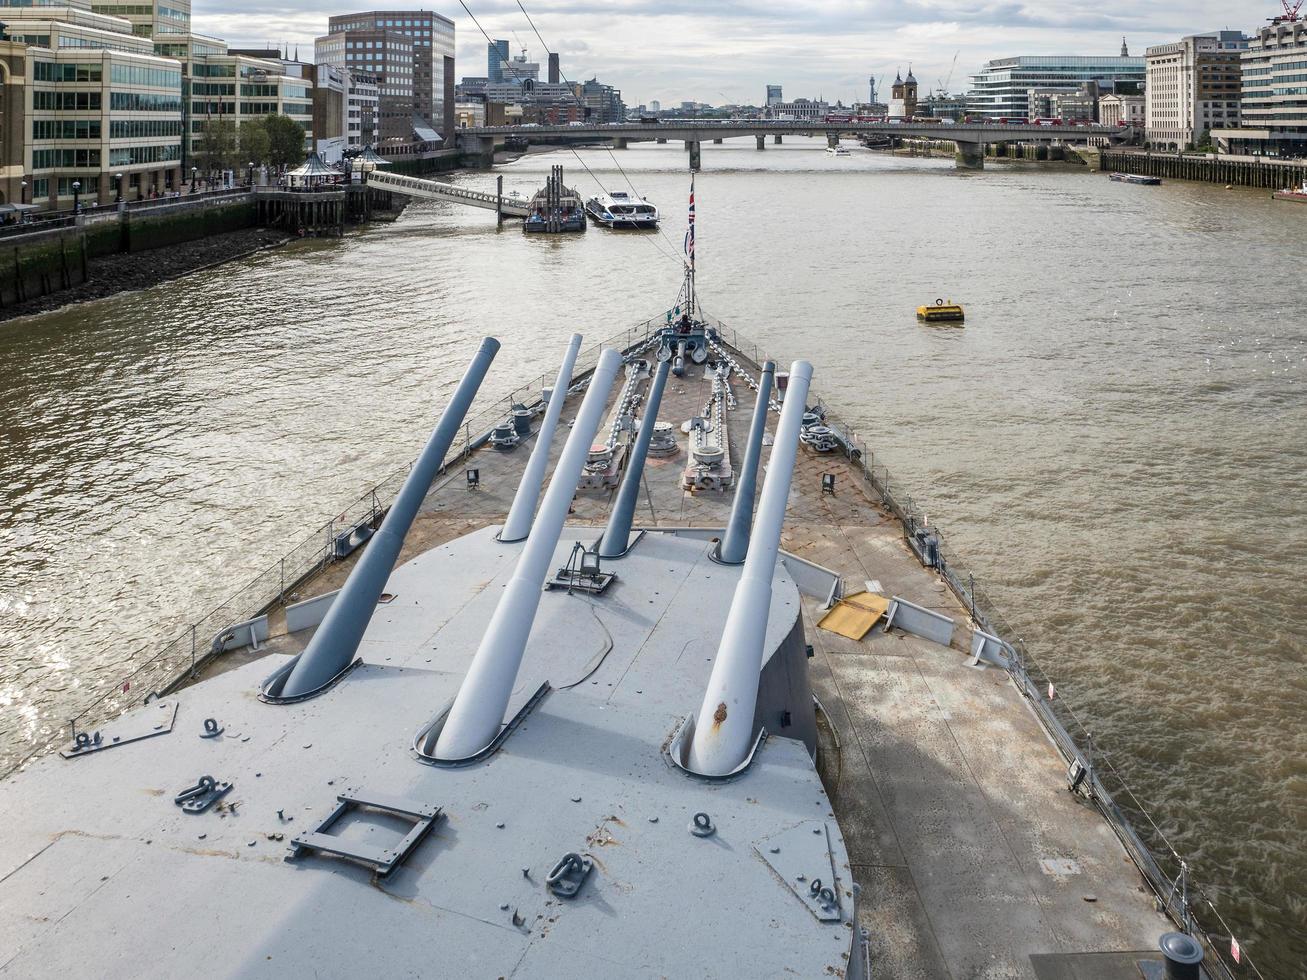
(675, 50)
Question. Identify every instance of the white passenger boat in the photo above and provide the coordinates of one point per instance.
(622, 210)
(838, 151)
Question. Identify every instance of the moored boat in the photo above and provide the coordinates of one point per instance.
(1298, 194)
(555, 208)
(622, 210)
(1135, 179)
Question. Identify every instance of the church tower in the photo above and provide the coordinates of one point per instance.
(910, 94)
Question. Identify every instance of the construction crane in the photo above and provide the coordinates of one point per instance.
(1291, 11)
(943, 86)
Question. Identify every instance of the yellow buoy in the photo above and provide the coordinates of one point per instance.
(941, 312)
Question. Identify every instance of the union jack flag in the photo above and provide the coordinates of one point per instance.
(689, 234)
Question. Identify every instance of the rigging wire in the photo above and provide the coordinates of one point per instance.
(581, 105)
(491, 46)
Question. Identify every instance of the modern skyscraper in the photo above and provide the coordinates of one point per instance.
(774, 96)
(496, 56)
(555, 71)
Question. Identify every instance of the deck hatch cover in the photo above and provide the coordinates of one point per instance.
(802, 859)
(383, 860)
(141, 725)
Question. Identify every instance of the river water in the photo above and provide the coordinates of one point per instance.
(1115, 442)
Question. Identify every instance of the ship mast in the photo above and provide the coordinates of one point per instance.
(689, 256)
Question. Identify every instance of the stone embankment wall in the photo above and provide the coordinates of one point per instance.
(38, 262)
(1239, 171)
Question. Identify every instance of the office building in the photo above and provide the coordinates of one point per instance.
(1001, 89)
(89, 108)
(555, 69)
(239, 87)
(774, 96)
(388, 56)
(1273, 103)
(153, 19)
(1193, 88)
(1069, 107)
(937, 106)
(420, 72)
(345, 105)
(471, 88)
(602, 103)
(529, 92)
(798, 109)
(470, 113)
(519, 69)
(496, 58)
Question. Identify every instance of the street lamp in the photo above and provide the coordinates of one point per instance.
(251, 175)
(77, 195)
(118, 179)
(24, 191)
(195, 173)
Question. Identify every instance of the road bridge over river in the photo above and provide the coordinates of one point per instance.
(970, 138)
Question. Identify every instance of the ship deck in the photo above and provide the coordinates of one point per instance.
(971, 853)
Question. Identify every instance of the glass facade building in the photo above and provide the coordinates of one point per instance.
(1273, 106)
(1002, 88)
(100, 107)
(496, 55)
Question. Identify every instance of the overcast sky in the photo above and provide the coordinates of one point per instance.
(727, 50)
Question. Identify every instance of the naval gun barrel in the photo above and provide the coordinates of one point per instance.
(724, 726)
(518, 524)
(618, 533)
(736, 542)
(478, 711)
(334, 645)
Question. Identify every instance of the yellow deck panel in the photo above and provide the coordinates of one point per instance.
(855, 615)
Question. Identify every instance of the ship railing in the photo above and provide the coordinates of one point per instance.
(157, 672)
(1170, 876)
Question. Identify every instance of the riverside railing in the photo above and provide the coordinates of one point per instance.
(1168, 874)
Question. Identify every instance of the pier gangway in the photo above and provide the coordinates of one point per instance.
(512, 205)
